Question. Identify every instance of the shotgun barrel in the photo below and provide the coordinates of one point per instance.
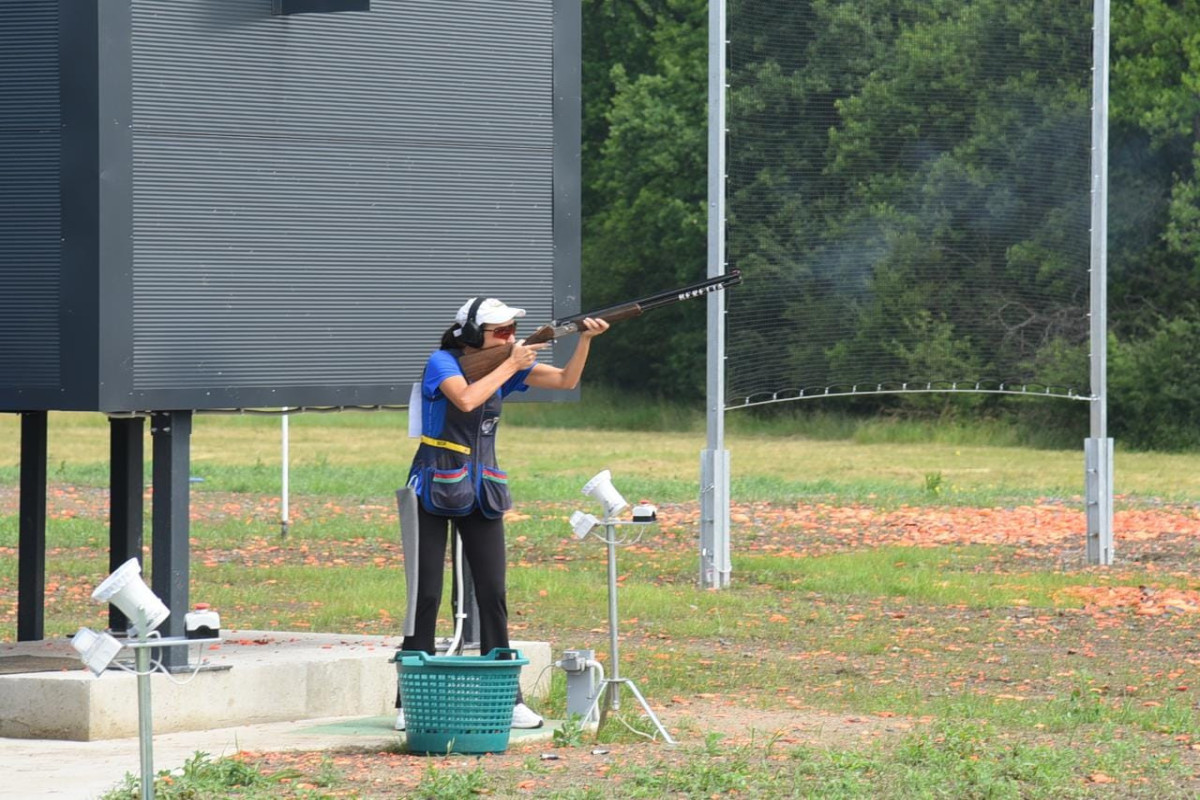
(478, 363)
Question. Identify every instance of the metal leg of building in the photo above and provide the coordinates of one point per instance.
(171, 432)
(126, 489)
(31, 560)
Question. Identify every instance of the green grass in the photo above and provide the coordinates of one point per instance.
(205, 777)
(360, 454)
(1009, 686)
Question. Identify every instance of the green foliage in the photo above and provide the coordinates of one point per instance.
(606, 408)
(1156, 71)
(963, 759)
(1154, 244)
(910, 197)
(948, 418)
(644, 198)
(451, 784)
(1154, 403)
(616, 33)
(846, 77)
(203, 778)
(570, 733)
(700, 778)
(922, 575)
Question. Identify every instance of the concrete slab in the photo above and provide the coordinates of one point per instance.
(69, 770)
(251, 678)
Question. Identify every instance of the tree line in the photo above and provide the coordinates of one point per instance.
(645, 184)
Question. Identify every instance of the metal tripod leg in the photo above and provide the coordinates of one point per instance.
(610, 688)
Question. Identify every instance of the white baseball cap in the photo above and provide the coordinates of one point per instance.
(491, 311)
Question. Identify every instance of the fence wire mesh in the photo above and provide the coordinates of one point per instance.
(908, 197)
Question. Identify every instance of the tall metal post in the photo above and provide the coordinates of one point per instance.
(715, 565)
(470, 603)
(1098, 462)
(141, 663)
(610, 539)
(144, 666)
(284, 489)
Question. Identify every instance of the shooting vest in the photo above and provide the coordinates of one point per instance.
(455, 471)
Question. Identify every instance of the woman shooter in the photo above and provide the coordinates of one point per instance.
(455, 473)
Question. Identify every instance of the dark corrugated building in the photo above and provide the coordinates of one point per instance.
(239, 204)
(217, 204)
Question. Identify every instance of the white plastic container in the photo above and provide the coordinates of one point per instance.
(202, 623)
(645, 512)
(126, 590)
(96, 649)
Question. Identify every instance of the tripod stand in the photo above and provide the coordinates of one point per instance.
(610, 686)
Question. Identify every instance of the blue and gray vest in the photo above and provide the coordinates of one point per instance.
(456, 471)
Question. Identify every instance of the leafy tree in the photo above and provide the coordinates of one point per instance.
(913, 184)
(645, 226)
(1153, 401)
(908, 185)
(617, 39)
(1155, 141)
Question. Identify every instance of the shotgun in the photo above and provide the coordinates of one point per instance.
(480, 362)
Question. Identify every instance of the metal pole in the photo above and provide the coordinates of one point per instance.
(283, 483)
(1097, 467)
(715, 566)
(141, 661)
(610, 686)
(611, 541)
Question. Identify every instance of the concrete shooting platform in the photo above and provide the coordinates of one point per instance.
(68, 734)
(249, 677)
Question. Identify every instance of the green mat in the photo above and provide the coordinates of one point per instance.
(374, 726)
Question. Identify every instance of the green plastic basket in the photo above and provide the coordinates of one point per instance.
(458, 704)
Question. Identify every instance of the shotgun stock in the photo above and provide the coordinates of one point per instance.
(477, 363)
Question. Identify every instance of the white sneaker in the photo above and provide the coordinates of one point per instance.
(525, 717)
(400, 720)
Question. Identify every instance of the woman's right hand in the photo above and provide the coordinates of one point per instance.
(524, 356)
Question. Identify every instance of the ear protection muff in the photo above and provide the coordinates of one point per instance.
(470, 333)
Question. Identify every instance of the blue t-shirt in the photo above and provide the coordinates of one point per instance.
(441, 365)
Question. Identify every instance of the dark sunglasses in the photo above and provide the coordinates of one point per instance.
(504, 331)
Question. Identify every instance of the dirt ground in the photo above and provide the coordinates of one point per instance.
(533, 769)
(1095, 650)
(1012, 655)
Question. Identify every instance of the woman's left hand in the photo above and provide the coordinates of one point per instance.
(593, 328)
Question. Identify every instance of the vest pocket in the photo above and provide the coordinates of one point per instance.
(494, 496)
(448, 489)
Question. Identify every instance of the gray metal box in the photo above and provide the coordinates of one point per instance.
(207, 205)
